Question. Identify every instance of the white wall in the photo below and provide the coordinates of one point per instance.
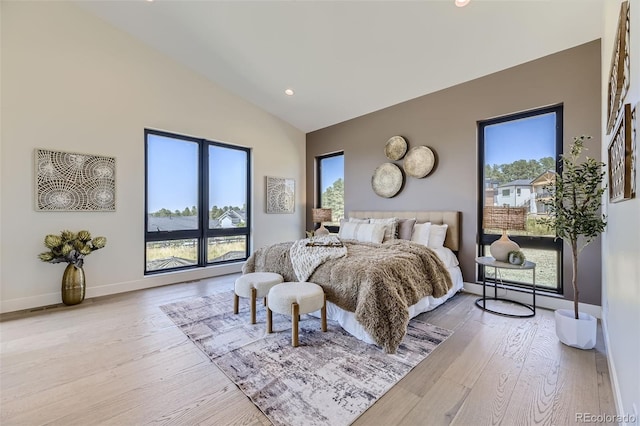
(621, 240)
(70, 82)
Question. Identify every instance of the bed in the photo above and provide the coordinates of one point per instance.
(373, 288)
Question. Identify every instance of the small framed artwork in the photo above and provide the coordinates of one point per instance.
(621, 158)
(69, 181)
(281, 195)
(620, 69)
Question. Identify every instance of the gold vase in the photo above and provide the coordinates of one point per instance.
(73, 285)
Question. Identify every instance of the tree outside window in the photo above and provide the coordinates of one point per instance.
(331, 186)
(518, 154)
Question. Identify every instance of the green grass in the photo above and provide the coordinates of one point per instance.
(545, 260)
(546, 269)
(188, 249)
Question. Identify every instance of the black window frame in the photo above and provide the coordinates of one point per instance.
(532, 242)
(203, 233)
(331, 228)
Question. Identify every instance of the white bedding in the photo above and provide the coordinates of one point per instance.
(348, 319)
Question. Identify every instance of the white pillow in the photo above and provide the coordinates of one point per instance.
(356, 220)
(437, 235)
(391, 227)
(421, 233)
(363, 232)
(352, 219)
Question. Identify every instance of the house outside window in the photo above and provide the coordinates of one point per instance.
(520, 153)
(197, 202)
(330, 189)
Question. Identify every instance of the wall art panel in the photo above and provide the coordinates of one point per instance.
(68, 181)
(281, 195)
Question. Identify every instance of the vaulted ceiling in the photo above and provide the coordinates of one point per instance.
(344, 59)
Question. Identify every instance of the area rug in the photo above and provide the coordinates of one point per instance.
(330, 379)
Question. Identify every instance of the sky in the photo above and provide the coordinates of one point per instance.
(173, 164)
(332, 170)
(173, 174)
(527, 138)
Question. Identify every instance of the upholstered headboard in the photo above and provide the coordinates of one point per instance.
(451, 218)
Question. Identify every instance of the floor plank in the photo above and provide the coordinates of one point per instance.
(119, 360)
(439, 405)
(390, 409)
(487, 401)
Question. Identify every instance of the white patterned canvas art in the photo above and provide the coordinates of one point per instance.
(281, 195)
(67, 181)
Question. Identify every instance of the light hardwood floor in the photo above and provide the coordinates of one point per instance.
(119, 360)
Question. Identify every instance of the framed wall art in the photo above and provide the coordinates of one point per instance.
(620, 68)
(281, 195)
(634, 149)
(69, 181)
(621, 159)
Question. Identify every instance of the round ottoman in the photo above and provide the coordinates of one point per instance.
(254, 285)
(295, 299)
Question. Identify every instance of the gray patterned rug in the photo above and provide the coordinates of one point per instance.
(330, 379)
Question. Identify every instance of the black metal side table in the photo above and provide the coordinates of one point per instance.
(488, 261)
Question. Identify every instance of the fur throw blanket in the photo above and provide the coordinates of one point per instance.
(378, 282)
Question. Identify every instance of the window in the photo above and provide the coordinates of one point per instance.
(197, 210)
(522, 151)
(331, 187)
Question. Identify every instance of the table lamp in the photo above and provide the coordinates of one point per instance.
(504, 218)
(319, 216)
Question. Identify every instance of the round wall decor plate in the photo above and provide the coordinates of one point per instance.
(387, 180)
(419, 161)
(395, 148)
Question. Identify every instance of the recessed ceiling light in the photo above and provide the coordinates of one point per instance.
(289, 92)
(462, 3)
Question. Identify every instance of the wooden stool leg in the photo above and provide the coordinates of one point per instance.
(323, 312)
(294, 324)
(269, 321)
(253, 305)
(235, 303)
(265, 301)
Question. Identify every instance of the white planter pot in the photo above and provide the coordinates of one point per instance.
(579, 333)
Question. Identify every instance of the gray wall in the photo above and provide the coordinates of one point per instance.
(446, 122)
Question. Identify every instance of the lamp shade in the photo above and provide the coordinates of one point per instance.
(504, 218)
(513, 218)
(321, 215)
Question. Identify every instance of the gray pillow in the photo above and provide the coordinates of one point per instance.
(405, 228)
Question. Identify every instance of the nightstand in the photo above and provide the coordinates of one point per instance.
(488, 261)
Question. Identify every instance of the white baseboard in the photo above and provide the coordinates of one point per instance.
(148, 281)
(617, 396)
(542, 301)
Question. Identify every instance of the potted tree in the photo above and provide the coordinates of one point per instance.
(574, 209)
